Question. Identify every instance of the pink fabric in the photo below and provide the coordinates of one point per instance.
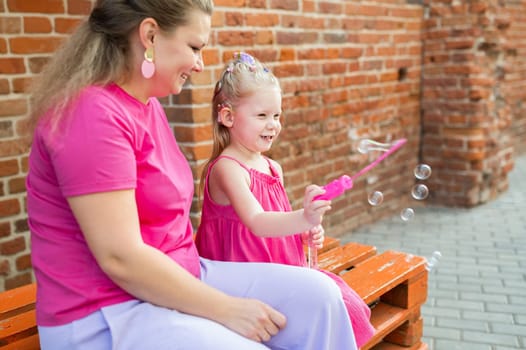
(110, 141)
(222, 236)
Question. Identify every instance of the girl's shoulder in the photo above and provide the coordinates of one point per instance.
(275, 167)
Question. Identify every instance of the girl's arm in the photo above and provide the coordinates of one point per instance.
(229, 183)
(110, 224)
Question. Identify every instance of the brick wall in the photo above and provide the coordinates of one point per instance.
(345, 67)
(515, 70)
(349, 70)
(473, 94)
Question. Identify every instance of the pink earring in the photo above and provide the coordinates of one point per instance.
(148, 67)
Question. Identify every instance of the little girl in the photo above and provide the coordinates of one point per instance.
(246, 212)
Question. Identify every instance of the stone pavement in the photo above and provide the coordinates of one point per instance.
(477, 291)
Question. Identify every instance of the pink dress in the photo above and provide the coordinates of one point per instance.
(222, 236)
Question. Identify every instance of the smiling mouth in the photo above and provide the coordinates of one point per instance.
(185, 76)
(268, 138)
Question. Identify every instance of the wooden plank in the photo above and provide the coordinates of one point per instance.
(16, 298)
(17, 323)
(385, 319)
(382, 272)
(31, 342)
(345, 256)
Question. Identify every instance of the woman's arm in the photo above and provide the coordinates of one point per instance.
(110, 224)
(231, 182)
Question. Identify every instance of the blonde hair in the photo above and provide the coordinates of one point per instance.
(99, 51)
(241, 77)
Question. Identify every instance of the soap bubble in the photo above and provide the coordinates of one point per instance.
(407, 214)
(366, 145)
(422, 171)
(433, 261)
(375, 198)
(371, 179)
(420, 192)
(352, 134)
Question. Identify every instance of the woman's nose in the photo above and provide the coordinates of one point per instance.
(199, 64)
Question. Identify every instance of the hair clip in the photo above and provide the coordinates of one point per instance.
(246, 59)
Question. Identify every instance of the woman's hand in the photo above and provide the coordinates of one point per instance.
(313, 210)
(252, 319)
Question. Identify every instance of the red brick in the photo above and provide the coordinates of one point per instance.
(31, 45)
(261, 19)
(5, 267)
(230, 3)
(288, 5)
(48, 6)
(17, 185)
(37, 25)
(79, 7)
(10, 25)
(13, 107)
(235, 38)
(66, 25)
(4, 87)
(13, 246)
(21, 85)
(23, 262)
(12, 66)
(18, 281)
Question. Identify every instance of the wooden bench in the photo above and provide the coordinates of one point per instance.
(393, 284)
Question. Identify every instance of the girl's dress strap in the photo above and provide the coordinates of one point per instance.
(227, 157)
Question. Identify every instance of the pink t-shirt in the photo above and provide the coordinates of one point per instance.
(109, 141)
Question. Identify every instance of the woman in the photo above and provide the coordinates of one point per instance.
(109, 195)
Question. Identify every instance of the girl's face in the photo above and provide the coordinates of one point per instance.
(256, 120)
(178, 54)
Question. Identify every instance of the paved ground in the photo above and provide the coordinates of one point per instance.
(477, 292)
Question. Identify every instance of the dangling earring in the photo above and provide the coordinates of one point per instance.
(148, 67)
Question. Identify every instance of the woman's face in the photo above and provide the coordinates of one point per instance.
(178, 54)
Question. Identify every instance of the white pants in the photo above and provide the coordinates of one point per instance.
(316, 316)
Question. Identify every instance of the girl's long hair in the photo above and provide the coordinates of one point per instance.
(99, 51)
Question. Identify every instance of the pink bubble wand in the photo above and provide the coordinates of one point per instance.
(338, 186)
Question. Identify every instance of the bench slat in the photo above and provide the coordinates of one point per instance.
(17, 323)
(389, 269)
(15, 298)
(345, 256)
(29, 343)
(386, 318)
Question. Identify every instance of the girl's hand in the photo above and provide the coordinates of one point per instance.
(313, 210)
(253, 319)
(316, 236)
